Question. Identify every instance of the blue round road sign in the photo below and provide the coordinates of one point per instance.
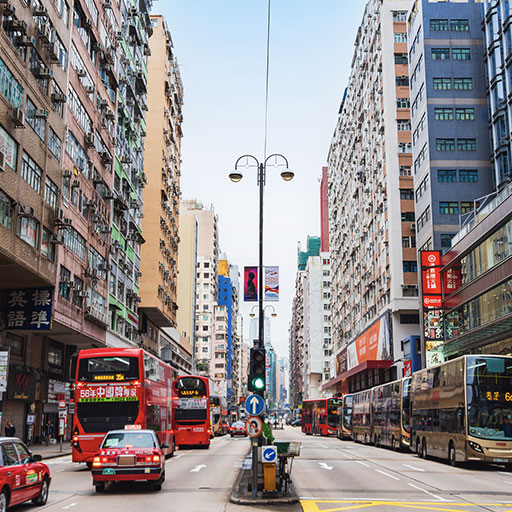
(254, 405)
(269, 454)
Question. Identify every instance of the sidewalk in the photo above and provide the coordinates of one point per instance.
(51, 451)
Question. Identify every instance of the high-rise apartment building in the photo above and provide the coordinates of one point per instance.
(206, 281)
(371, 204)
(132, 36)
(296, 333)
(162, 157)
(449, 114)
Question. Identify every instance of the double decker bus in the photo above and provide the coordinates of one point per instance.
(320, 416)
(191, 411)
(344, 430)
(116, 387)
(361, 416)
(390, 414)
(218, 415)
(462, 410)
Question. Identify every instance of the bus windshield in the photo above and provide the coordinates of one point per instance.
(332, 411)
(489, 395)
(347, 412)
(111, 368)
(105, 416)
(406, 403)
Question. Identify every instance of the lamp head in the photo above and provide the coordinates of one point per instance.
(252, 315)
(273, 315)
(287, 175)
(235, 176)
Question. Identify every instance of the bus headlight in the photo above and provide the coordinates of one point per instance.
(476, 447)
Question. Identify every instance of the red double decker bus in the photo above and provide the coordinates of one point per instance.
(320, 416)
(116, 387)
(191, 405)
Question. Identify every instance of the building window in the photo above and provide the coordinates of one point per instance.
(449, 208)
(440, 53)
(466, 144)
(406, 193)
(6, 210)
(403, 125)
(408, 242)
(446, 240)
(28, 230)
(439, 25)
(445, 144)
(64, 282)
(442, 84)
(31, 172)
(407, 216)
(463, 84)
(78, 286)
(50, 193)
(405, 147)
(401, 58)
(405, 171)
(467, 206)
(459, 25)
(468, 176)
(54, 144)
(446, 176)
(36, 119)
(464, 114)
(9, 87)
(16, 345)
(402, 81)
(422, 187)
(8, 144)
(403, 103)
(399, 15)
(410, 266)
(47, 247)
(400, 37)
(75, 242)
(423, 218)
(410, 318)
(443, 114)
(461, 53)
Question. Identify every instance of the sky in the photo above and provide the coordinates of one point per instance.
(221, 48)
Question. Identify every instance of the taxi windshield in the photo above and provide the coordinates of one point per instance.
(129, 440)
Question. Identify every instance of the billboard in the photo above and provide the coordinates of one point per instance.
(374, 344)
(250, 284)
(431, 279)
(29, 309)
(271, 284)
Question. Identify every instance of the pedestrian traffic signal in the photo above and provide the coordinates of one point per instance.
(256, 382)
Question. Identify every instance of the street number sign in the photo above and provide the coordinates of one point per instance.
(254, 405)
(269, 453)
(254, 426)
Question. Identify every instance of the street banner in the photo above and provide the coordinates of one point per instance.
(250, 284)
(29, 309)
(271, 284)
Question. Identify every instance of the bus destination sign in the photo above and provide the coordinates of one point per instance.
(116, 377)
(498, 396)
(107, 394)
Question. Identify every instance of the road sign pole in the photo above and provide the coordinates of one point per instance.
(254, 467)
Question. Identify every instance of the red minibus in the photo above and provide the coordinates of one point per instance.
(191, 405)
(320, 416)
(116, 387)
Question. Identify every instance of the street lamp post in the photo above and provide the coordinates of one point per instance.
(236, 176)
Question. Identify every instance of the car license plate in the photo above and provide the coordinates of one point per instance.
(126, 460)
(198, 429)
(497, 459)
(108, 471)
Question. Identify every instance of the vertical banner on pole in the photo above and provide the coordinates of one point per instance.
(250, 284)
(271, 284)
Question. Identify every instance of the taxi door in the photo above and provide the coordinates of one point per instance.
(14, 472)
(32, 478)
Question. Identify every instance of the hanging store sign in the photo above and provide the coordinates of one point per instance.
(29, 309)
(250, 284)
(271, 284)
(4, 370)
(21, 385)
(431, 279)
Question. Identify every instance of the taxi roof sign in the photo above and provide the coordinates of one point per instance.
(133, 427)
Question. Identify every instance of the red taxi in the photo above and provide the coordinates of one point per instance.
(237, 429)
(129, 455)
(23, 476)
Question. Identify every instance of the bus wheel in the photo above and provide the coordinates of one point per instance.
(394, 444)
(365, 439)
(424, 454)
(452, 455)
(418, 447)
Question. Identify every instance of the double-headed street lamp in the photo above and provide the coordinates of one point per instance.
(273, 314)
(236, 176)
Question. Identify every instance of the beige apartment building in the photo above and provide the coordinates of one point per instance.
(162, 158)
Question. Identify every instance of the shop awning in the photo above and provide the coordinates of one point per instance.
(366, 365)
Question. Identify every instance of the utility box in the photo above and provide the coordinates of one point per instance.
(269, 476)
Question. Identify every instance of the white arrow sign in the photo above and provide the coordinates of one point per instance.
(198, 468)
(253, 404)
(323, 465)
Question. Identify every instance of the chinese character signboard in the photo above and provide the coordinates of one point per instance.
(250, 284)
(4, 370)
(29, 309)
(271, 284)
(431, 278)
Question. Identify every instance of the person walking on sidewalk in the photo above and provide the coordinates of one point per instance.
(10, 430)
(48, 432)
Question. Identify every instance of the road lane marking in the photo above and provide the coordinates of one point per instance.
(427, 492)
(323, 465)
(198, 468)
(346, 456)
(67, 507)
(362, 463)
(387, 474)
(413, 467)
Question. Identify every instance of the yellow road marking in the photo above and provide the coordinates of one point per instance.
(311, 505)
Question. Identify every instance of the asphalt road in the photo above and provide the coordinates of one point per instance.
(330, 475)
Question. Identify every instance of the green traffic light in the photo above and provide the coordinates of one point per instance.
(258, 383)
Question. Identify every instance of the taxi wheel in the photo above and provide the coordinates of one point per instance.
(43, 494)
(4, 501)
(99, 486)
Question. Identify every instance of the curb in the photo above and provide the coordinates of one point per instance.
(63, 454)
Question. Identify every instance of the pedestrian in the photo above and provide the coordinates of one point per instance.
(10, 430)
(48, 432)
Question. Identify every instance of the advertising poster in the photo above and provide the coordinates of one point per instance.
(271, 284)
(29, 309)
(250, 284)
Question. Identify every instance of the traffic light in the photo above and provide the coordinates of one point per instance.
(256, 382)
